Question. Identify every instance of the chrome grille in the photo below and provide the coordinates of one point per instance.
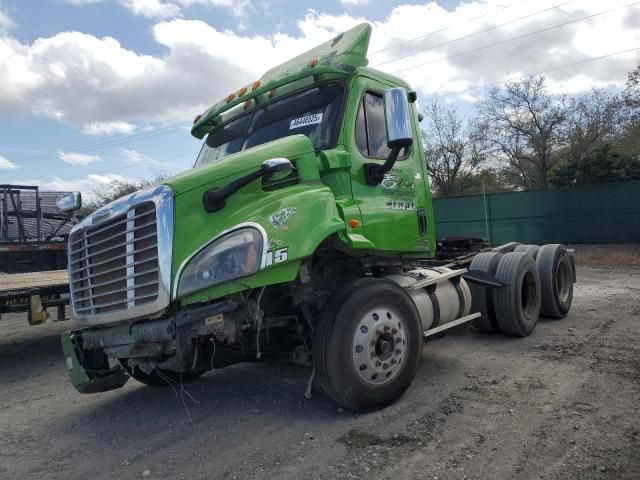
(114, 266)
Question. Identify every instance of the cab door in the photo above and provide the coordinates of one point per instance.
(396, 213)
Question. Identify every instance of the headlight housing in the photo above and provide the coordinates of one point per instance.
(234, 255)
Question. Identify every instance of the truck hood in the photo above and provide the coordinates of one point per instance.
(220, 172)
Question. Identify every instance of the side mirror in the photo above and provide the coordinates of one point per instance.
(69, 202)
(397, 118)
(276, 168)
(398, 125)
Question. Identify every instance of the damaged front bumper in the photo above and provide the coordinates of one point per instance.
(94, 357)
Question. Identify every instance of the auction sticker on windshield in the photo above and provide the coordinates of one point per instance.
(306, 120)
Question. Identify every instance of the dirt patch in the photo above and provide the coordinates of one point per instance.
(608, 256)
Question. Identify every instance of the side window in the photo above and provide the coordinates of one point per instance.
(361, 131)
(371, 131)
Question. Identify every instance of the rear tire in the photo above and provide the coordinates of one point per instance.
(482, 297)
(368, 344)
(530, 249)
(556, 280)
(517, 303)
(156, 380)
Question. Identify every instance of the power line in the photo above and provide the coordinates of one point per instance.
(111, 170)
(404, 42)
(518, 37)
(539, 72)
(105, 144)
(474, 33)
(89, 146)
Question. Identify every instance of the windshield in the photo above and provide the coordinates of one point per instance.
(313, 112)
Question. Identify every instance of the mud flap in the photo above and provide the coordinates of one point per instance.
(83, 381)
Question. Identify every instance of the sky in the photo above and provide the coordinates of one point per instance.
(96, 90)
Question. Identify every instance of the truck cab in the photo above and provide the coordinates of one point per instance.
(300, 229)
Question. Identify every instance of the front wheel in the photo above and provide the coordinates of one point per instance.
(368, 344)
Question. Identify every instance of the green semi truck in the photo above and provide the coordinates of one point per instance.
(305, 227)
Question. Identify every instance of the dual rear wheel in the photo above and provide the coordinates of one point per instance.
(538, 281)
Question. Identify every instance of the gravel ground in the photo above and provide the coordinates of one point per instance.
(560, 404)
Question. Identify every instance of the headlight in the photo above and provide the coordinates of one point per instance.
(235, 255)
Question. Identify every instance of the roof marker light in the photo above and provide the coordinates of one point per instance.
(272, 92)
(255, 85)
(246, 104)
(313, 62)
(195, 120)
(231, 97)
(242, 91)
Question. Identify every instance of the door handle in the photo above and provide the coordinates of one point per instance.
(422, 222)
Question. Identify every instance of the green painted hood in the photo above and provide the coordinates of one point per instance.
(221, 172)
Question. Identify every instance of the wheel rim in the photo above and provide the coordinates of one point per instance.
(563, 281)
(379, 346)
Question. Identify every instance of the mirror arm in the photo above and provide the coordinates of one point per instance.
(215, 198)
(374, 173)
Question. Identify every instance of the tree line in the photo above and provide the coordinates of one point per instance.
(521, 137)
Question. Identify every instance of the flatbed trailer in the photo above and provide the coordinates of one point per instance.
(34, 293)
(33, 232)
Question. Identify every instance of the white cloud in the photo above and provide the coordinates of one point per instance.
(152, 8)
(603, 34)
(77, 158)
(107, 128)
(6, 164)
(133, 156)
(6, 23)
(98, 84)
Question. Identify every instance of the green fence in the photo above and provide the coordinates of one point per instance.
(608, 213)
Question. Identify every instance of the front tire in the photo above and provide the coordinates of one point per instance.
(368, 344)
